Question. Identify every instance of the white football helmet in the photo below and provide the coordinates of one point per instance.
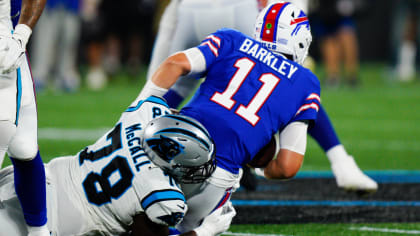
(181, 146)
(284, 28)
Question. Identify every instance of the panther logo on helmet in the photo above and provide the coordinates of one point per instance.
(181, 146)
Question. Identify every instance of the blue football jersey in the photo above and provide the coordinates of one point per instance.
(248, 95)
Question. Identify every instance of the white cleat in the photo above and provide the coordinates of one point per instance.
(349, 176)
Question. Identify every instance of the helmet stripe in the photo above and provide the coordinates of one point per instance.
(180, 118)
(269, 27)
(184, 132)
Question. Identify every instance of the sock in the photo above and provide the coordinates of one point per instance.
(38, 230)
(337, 153)
(30, 189)
(173, 98)
(323, 131)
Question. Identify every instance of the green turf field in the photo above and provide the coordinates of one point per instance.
(378, 123)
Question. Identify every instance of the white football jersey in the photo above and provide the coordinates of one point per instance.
(5, 19)
(113, 179)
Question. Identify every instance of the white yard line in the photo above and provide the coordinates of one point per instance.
(71, 134)
(250, 234)
(385, 230)
(93, 134)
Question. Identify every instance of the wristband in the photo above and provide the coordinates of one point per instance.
(150, 89)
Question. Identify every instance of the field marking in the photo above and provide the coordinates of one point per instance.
(50, 133)
(251, 234)
(71, 134)
(324, 203)
(385, 230)
(383, 176)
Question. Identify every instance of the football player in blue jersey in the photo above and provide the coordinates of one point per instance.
(254, 87)
(184, 23)
(18, 116)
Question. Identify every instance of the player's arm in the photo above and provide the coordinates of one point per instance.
(31, 11)
(292, 149)
(181, 63)
(214, 224)
(13, 47)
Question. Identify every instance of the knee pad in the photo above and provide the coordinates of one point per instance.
(23, 148)
(7, 130)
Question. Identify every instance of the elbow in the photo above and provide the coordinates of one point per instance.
(179, 63)
(289, 173)
(285, 166)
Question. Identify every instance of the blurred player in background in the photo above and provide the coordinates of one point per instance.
(54, 46)
(405, 35)
(333, 24)
(127, 181)
(185, 23)
(253, 89)
(18, 117)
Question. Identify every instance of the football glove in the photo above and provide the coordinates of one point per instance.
(12, 49)
(217, 222)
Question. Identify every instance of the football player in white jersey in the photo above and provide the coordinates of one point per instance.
(127, 181)
(18, 116)
(186, 22)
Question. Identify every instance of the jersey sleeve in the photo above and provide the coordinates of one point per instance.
(166, 206)
(309, 108)
(212, 46)
(146, 109)
(159, 196)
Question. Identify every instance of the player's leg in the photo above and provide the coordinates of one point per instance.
(164, 37)
(11, 217)
(348, 175)
(8, 105)
(44, 45)
(68, 76)
(29, 173)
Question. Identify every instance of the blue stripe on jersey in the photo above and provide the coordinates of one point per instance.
(19, 94)
(152, 99)
(161, 195)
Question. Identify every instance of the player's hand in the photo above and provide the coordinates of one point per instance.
(217, 222)
(12, 49)
(11, 54)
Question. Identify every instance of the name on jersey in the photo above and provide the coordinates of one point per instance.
(137, 153)
(255, 50)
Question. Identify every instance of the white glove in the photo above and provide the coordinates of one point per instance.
(12, 49)
(259, 172)
(217, 222)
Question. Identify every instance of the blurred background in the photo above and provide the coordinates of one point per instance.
(91, 43)
(90, 58)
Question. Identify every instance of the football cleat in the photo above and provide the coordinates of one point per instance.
(350, 178)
